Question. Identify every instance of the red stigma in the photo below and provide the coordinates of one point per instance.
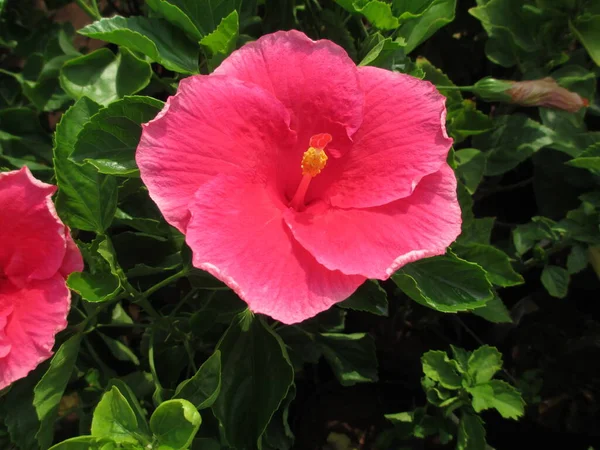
(320, 140)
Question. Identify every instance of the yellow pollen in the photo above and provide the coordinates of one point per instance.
(313, 161)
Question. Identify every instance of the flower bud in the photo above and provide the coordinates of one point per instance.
(545, 92)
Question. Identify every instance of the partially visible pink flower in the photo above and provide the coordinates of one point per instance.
(37, 253)
(296, 175)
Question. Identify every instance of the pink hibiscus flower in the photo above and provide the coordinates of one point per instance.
(37, 253)
(296, 175)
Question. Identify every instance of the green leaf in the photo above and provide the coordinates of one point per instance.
(221, 42)
(375, 11)
(467, 121)
(454, 98)
(445, 283)
(174, 424)
(570, 132)
(94, 287)
(155, 38)
(302, 345)
(382, 51)
(21, 135)
(204, 387)
(588, 159)
(417, 28)
(471, 167)
(494, 311)
(521, 34)
(515, 138)
(105, 77)
(483, 364)
(556, 281)
(527, 235)
(494, 261)
(131, 398)
(279, 435)
(471, 433)
(173, 14)
(500, 396)
(50, 389)
(438, 367)
(461, 356)
(18, 413)
(114, 419)
(109, 140)
(476, 230)
(83, 443)
(119, 350)
(250, 353)
(577, 259)
(587, 30)
(86, 200)
(207, 14)
(369, 297)
(351, 356)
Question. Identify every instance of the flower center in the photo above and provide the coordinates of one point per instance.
(313, 161)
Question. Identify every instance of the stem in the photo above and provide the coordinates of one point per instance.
(185, 299)
(92, 12)
(456, 88)
(481, 343)
(182, 273)
(124, 325)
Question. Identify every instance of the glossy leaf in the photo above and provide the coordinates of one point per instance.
(445, 283)
(250, 353)
(471, 167)
(471, 433)
(483, 364)
(377, 12)
(105, 77)
(556, 281)
(204, 387)
(587, 30)
(498, 395)
(173, 14)
(155, 38)
(369, 297)
(114, 419)
(494, 261)
(50, 389)
(174, 424)
(221, 42)
(438, 367)
(515, 138)
(109, 140)
(207, 14)
(423, 19)
(351, 356)
(86, 200)
(494, 311)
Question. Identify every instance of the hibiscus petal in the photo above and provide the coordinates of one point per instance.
(31, 234)
(214, 125)
(316, 80)
(375, 242)
(238, 235)
(402, 139)
(38, 311)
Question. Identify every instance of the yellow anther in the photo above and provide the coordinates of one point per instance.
(313, 161)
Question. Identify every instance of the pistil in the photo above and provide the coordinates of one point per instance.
(313, 161)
